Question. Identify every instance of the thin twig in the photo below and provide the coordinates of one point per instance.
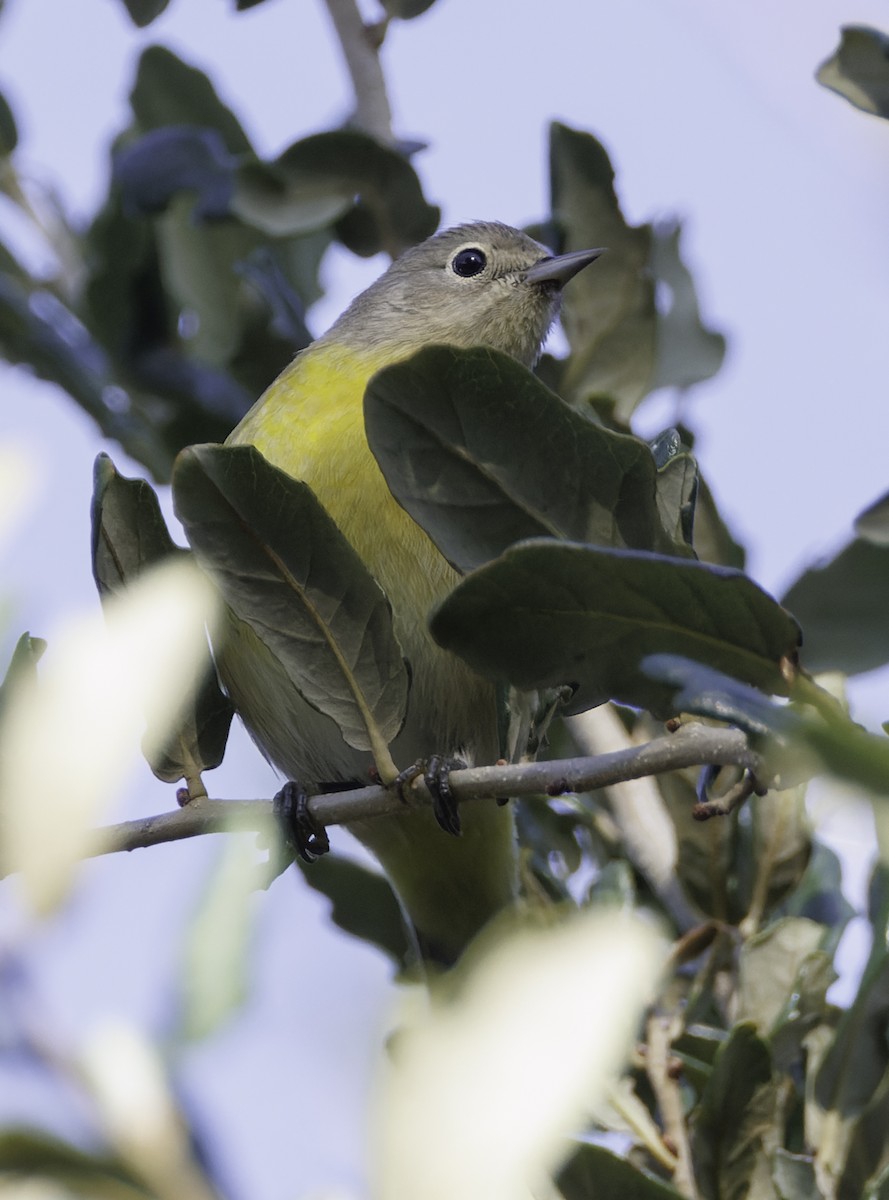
(361, 51)
(665, 1085)
(691, 745)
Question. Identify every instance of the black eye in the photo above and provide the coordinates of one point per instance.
(469, 262)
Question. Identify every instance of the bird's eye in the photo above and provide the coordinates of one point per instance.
(469, 262)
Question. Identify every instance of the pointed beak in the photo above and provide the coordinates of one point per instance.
(560, 268)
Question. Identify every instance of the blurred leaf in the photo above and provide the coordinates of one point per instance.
(143, 12)
(843, 608)
(685, 351)
(363, 903)
(705, 849)
(551, 613)
(468, 441)
(734, 1117)
(152, 169)
(9, 134)
(794, 1176)
(873, 523)
(593, 1171)
(243, 5)
(129, 534)
(857, 1060)
(344, 164)
(169, 92)
(714, 541)
(609, 315)
(405, 9)
(289, 195)
(284, 568)
(264, 272)
(769, 965)
(22, 666)
(859, 69)
(216, 969)
(32, 1156)
(868, 1150)
(819, 895)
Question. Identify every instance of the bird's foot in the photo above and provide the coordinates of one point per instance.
(436, 772)
(299, 828)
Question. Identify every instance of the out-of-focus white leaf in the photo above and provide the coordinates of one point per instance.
(484, 1089)
(128, 1085)
(214, 978)
(69, 741)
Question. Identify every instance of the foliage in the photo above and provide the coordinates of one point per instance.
(192, 284)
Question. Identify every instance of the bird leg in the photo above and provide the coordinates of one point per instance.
(436, 772)
(299, 829)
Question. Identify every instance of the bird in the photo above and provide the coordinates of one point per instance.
(481, 283)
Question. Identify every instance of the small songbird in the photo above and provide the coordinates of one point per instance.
(477, 284)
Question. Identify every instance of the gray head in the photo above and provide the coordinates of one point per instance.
(478, 284)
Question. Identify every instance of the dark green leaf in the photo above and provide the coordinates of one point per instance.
(857, 1060)
(868, 1151)
(313, 179)
(364, 904)
(9, 134)
(551, 613)
(405, 9)
(608, 314)
(685, 351)
(677, 493)
(169, 92)
(714, 541)
(25, 1153)
(859, 69)
(129, 534)
(286, 570)
(153, 168)
(735, 1114)
(481, 454)
(592, 1171)
(143, 12)
(843, 608)
(873, 523)
(22, 666)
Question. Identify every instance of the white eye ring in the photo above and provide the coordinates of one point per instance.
(468, 262)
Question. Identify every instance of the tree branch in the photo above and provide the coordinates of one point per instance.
(692, 745)
(361, 51)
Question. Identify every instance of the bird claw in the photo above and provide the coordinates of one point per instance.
(298, 827)
(436, 772)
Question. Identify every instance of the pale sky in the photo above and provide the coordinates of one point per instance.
(710, 112)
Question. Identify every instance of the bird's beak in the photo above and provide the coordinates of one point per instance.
(561, 267)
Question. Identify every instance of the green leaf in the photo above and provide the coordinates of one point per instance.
(363, 903)
(316, 174)
(285, 569)
(735, 1115)
(35, 1155)
(481, 455)
(859, 69)
(868, 1151)
(768, 969)
(609, 316)
(216, 968)
(155, 167)
(686, 352)
(406, 9)
(843, 608)
(169, 92)
(143, 12)
(852, 1068)
(129, 534)
(292, 195)
(9, 134)
(547, 614)
(794, 1176)
(873, 523)
(22, 666)
(593, 1171)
